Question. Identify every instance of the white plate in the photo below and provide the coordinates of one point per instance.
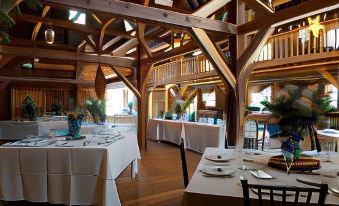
(261, 174)
(218, 171)
(219, 158)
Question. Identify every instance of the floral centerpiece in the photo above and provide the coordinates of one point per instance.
(75, 120)
(297, 110)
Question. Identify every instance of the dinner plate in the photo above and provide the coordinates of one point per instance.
(219, 158)
(218, 171)
(261, 174)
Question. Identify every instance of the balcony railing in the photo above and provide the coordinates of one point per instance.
(297, 42)
(301, 41)
(177, 70)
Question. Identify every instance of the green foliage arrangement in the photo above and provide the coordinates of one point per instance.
(169, 115)
(57, 108)
(298, 110)
(161, 114)
(9, 9)
(97, 109)
(29, 108)
(182, 100)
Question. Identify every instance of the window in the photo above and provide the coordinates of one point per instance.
(257, 97)
(332, 91)
(117, 100)
(333, 39)
(209, 99)
(77, 17)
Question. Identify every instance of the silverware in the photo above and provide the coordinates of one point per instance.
(86, 143)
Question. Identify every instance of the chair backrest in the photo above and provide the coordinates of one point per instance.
(183, 162)
(259, 190)
(250, 134)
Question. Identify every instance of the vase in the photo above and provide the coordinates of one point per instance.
(74, 126)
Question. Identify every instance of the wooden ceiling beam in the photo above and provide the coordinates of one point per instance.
(102, 33)
(64, 55)
(212, 54)
(209, 8)
(123, 49)
(110, 43)
(297, 12)
(67, 24)
(142, 40)
(41, 44)
(149, 14)
(259, 7)
(38, 25)
(44, 79)
(329, 77)
(96, 18)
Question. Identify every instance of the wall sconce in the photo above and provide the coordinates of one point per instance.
(315, 25)
(49, 36)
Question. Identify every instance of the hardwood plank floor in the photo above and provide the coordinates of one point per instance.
(159, 182)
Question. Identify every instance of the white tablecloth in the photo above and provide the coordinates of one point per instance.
(213, 190)
(45, 127)
(197, 136)
(75, 175)
(11, 130)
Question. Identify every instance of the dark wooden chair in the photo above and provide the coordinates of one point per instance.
(281, 190)
(183, 162)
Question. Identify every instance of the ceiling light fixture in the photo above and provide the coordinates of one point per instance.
(49, 36)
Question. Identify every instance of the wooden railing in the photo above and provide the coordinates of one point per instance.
(176, 70)
(334, 120)
(301, 41)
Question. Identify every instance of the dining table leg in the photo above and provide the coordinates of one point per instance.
(135, 169)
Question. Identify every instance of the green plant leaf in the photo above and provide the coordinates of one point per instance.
(4, 38)
(5, 18)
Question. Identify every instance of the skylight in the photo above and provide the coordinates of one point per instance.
(77, 17)
(128, 26)
(164, 2)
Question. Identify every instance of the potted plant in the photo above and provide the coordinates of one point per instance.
(56, 108)
(97, 109)
(182, 100)
(298, 110)
(130, 106)
(29, 108)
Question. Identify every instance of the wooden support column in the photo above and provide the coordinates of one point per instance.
(244, 68)
(212, 54)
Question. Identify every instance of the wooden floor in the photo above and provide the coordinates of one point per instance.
(159, 182)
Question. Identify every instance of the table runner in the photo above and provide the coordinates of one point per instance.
(73, 176)
(215, 191)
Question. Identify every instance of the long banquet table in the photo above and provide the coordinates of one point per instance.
(75, 175)
(204, 191)
(197, 136)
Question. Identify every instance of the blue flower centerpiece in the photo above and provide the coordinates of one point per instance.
(74, 124)
(291, 158)
(290, 149)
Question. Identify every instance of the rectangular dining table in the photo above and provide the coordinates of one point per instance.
(197, 136)
(70, 175)
(206, 190)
